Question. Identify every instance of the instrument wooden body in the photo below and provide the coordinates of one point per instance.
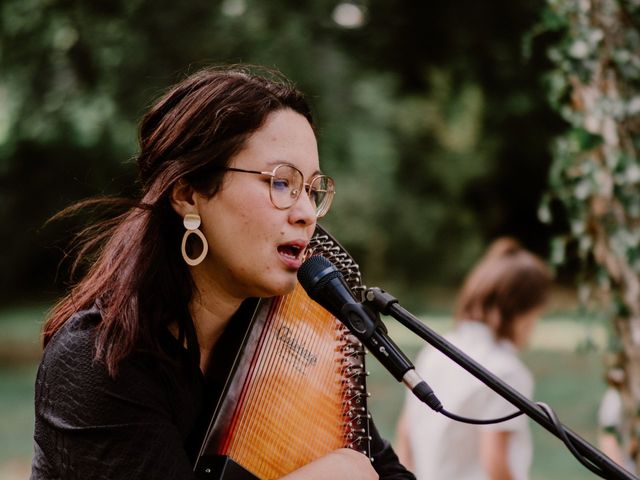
(297, 388)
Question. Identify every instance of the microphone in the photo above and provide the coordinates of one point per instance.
(325, 285)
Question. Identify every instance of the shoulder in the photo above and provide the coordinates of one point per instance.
(69, 376)
(84, 416)
(69, 371)
(73, 342)
(506, 364)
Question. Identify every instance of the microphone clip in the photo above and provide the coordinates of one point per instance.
(361, 320)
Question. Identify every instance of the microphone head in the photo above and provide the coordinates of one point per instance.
(315, 272)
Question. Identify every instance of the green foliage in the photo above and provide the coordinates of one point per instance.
(596, 169)
(430, 119)
(595, 86)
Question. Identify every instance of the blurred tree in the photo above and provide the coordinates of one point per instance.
(469, 129)
(430, 118)
(596, 171)
(74, 78)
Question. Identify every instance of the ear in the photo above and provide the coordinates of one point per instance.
(183, 198)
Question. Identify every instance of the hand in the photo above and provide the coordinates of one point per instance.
(342, 464)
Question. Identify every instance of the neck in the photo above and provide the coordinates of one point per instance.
(211, 308)
(210, 316)
(213, 304)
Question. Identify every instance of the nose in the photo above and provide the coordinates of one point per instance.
(303, 211)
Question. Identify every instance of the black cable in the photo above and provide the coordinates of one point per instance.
(426, 394)
(475, 421)
(553, 417)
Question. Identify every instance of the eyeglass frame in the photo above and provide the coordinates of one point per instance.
(305, 186)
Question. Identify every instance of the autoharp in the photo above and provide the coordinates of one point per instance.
(296, 389)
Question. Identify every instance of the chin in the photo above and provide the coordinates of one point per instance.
(278, 288)
(286, 288)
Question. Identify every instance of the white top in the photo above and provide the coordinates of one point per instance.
(610, 416)
(444, 449)
(610, 410)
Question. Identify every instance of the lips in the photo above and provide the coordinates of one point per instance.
(291, 251)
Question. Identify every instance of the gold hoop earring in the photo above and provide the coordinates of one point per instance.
(191, 222)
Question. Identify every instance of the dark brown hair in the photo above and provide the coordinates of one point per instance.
(508, 280)
(138, 278)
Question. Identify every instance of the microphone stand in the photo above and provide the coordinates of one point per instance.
(386, 304)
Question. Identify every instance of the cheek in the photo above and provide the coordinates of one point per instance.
(256, 234)
(237, 213)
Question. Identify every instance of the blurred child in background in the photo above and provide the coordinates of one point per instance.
(498, 306)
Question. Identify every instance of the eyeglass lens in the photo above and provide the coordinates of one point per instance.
(287, 183)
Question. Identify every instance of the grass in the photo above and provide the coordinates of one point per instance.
(569, 382)
(572, 385)
(16, 417)
(20, 339)
(19, 351)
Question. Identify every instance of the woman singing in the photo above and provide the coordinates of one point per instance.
(231, 189)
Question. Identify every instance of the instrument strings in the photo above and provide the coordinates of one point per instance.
(288, 409)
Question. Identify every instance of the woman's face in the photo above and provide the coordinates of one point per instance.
(256, 249)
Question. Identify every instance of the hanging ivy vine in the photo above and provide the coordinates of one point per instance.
(595, 175)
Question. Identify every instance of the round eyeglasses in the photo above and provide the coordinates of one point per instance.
(287, 182)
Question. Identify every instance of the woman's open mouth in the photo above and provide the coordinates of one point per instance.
(292, 254)
(290, 251)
